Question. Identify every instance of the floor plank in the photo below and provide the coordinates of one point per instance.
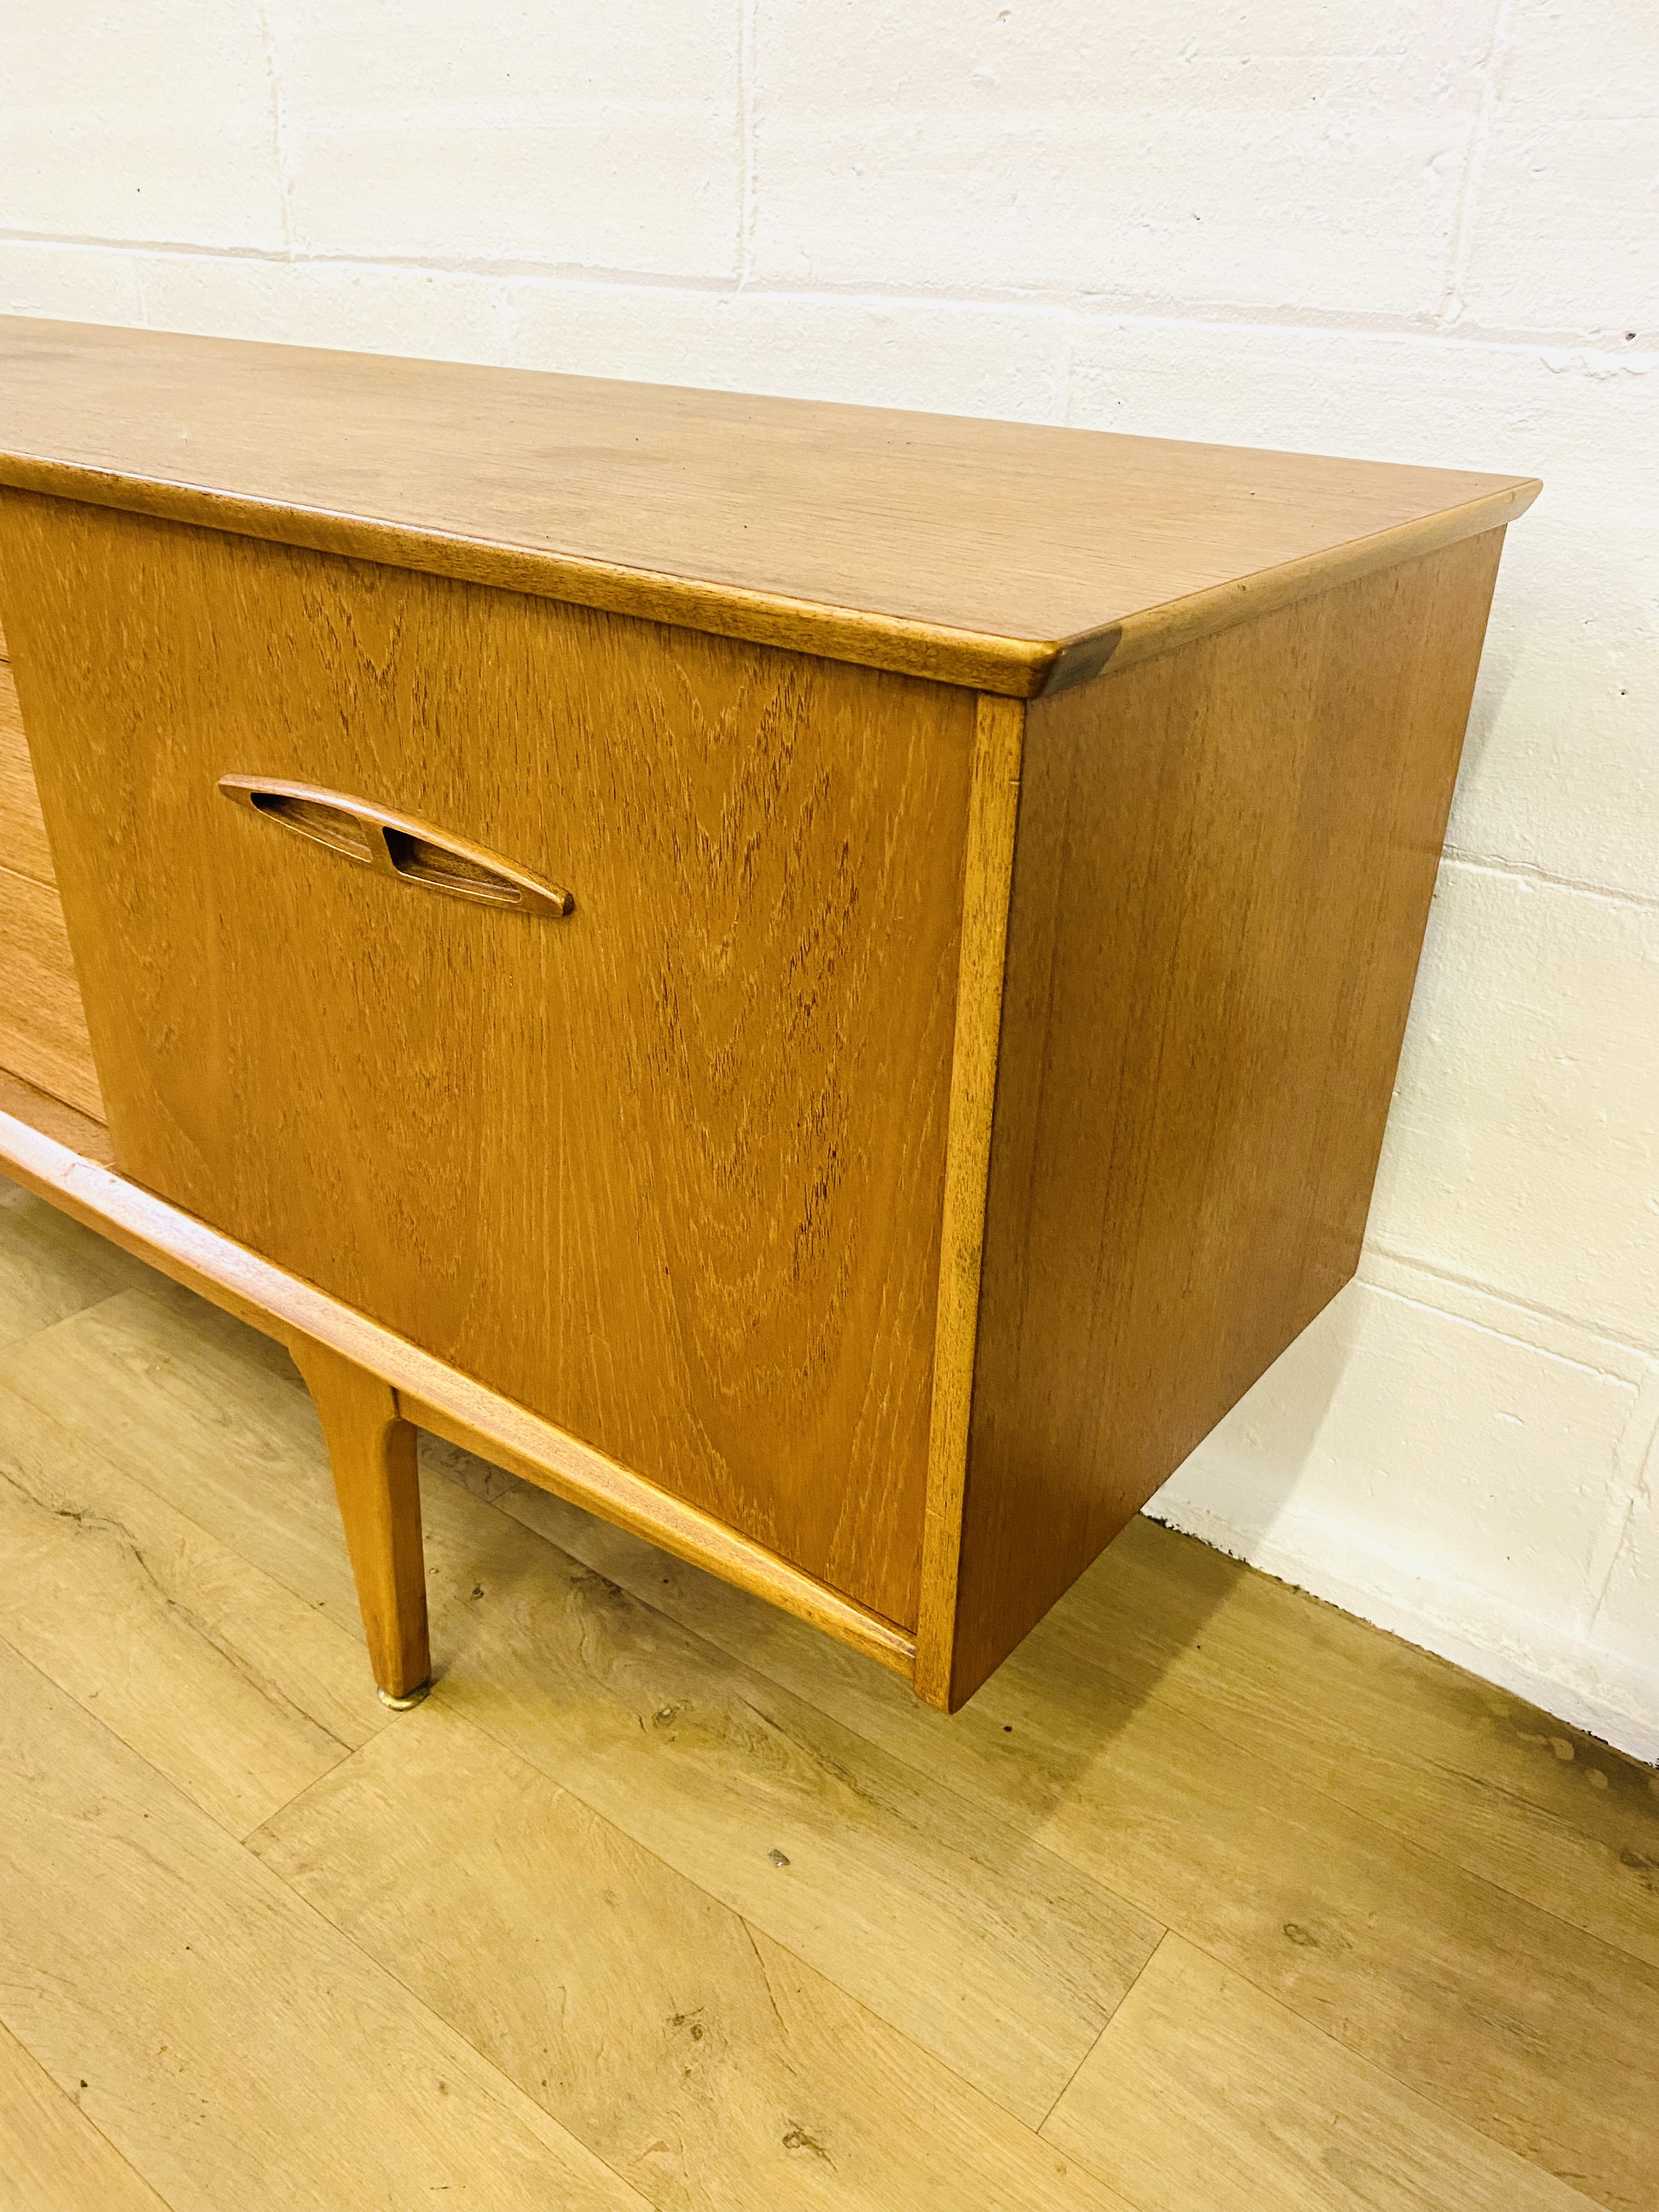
(1438, 1756)
(936, 1915)
(1448, 1762)
(703, 2063)
(237, 2050)
(222, 1679)
(1203, 2092)
(51, 1266)
(210, 1416)
(1535, 2033)
(927, 1908)
(51, 2157)
(1448, 1916)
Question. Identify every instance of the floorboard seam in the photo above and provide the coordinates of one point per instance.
(380, 1967)
(503, 2098)
(1387, 2073)
(677, 1874)
(1394, 1839)
(114, 2148)
(1105, 2025)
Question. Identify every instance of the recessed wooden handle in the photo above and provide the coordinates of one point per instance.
(396, 845)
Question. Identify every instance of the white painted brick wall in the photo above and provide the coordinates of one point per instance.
(1418, 230)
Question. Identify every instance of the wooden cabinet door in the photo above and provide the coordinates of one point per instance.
(667, 1170)
(43, 1030)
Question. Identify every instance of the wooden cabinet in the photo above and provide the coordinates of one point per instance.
(43, 1030)
(825, 983)
(666, 1168)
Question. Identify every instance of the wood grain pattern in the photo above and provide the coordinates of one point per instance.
(1270, 2115)
(755, 1208)
(1449, 1763)
(45, 1116)
(730, 1064)
(705, 2065)
(1452, 1764)
(213, 1420)
(51, 2157)
(224, 1680)
(464, 1414)
(1089, 1739)
(52, 1151)
(43, 1030)
(970, 551)
(993, 813)
(1223, 874)
(992, 1956)
(145, 1954)
(23, 846)
(54, 1266)
(371, 1449)
(936, 1918)
(59, 1163)
(1361, 2006)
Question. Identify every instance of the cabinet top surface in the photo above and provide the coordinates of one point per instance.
(980, 552)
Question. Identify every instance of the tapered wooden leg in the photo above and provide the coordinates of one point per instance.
(370, 1448)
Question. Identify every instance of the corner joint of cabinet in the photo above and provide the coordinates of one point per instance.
(1079, 660)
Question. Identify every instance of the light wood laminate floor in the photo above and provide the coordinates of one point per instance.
(1213, 1900)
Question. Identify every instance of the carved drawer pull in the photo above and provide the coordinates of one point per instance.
(396, 845)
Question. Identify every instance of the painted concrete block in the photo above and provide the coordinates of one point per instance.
(1565, 203)
(1004, 362)
(359, 307)
(1559, 774)
(586, 137)
(1523, 1150)
(1625, 1633)
(1586, 422)
(146, 123)
(1288, 1505)
(1561, 768)
(1402, 1439)
(1565, 215)
(1584, 58)
(70, 283)
(1210, 157)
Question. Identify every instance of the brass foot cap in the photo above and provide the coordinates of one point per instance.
(410, 1698)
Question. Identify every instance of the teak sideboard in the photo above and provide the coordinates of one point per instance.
(825, 983)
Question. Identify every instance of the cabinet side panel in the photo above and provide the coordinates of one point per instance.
(1222, 879)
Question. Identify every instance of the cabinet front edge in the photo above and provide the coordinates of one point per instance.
(988, 877)
(1008, 667)
(975, 660)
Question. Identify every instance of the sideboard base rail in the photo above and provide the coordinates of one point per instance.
(39, 1141)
